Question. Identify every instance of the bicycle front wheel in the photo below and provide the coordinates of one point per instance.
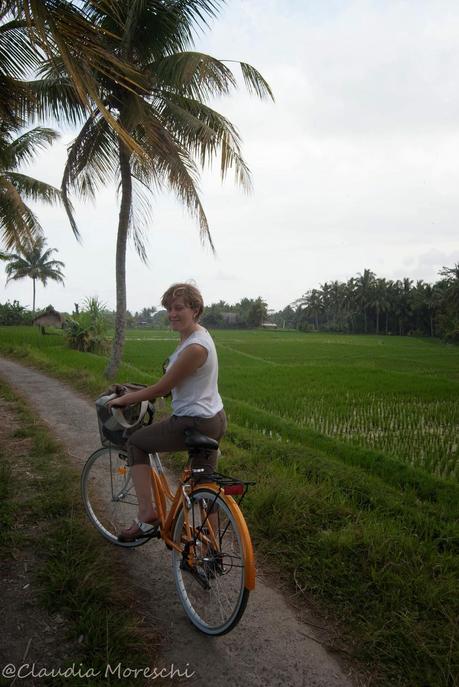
(209, 569)
(108, 494)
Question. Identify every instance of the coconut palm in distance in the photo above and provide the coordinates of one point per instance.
(168, 118)
(18, 223)
(34, 262)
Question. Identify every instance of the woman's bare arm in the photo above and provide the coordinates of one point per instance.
(193, 357)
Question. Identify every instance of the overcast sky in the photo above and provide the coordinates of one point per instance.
(356, 164)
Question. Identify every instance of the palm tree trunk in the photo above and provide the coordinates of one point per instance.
(123, 226)
(33, 302)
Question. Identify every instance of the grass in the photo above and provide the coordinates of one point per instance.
(384, 558)
(76, 576)
(367, 526)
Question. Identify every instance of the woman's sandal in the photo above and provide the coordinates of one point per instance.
(139, 530)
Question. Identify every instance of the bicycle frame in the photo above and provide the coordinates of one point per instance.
(163, 493)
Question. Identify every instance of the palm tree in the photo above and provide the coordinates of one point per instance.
(258, 313)
(379, 299)
(364, 287)
(168, 119)
(312, 304)
(34, 262)
(350, 302)
(333, 297)
(18, 223)
(403, 302)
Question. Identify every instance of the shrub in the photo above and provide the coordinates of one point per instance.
(14, 314)
(87, 331)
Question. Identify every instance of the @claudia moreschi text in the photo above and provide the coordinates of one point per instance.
(119, 671)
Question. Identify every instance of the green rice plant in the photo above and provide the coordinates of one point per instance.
(423, 433)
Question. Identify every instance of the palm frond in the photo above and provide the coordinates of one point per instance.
(33, 189)
(149, 29)
(170, 163)
(17, 269)
(54, 275)
(141, 216)
(205, 131)
(55, 98)
(191, 16)
(193, 74)
(14, 98)
(18, 223)
(8, 256)
(24, 148)
(254, 81)
(92, 160)
(18, 56)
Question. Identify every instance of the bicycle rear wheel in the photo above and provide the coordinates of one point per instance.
(209, 570)
(108, 494)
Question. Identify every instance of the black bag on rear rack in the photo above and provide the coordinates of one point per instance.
(116, 427)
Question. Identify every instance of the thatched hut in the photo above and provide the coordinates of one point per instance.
(49, 318)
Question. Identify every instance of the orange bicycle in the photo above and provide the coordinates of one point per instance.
(201, 523)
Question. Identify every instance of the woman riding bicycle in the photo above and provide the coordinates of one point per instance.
(192, 377)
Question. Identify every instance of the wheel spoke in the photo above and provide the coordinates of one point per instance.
(216, 607)
(108, 494)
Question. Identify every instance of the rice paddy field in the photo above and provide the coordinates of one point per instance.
(398, 396)
(353, 444)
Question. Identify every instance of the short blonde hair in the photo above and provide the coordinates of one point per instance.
(190, 294)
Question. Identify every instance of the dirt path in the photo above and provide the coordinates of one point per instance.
(270, 646)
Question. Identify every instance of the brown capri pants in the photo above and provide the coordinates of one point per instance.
(168, 435)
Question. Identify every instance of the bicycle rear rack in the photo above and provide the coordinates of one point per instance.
(232, 485)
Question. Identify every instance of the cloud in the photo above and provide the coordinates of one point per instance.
(355, 165)
(225, 276)
(427, 265)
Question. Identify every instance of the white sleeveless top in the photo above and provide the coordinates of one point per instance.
(198, 395)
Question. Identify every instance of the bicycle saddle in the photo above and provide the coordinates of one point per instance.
(194, 439)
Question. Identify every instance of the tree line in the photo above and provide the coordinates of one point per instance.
(374, 305)
(365, 304)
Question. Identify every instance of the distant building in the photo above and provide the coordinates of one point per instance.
(50, 318)
(269, 325)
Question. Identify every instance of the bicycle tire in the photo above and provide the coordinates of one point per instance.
(108, 494)
(217, 607)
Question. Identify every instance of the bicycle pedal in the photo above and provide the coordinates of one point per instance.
(155, 534)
